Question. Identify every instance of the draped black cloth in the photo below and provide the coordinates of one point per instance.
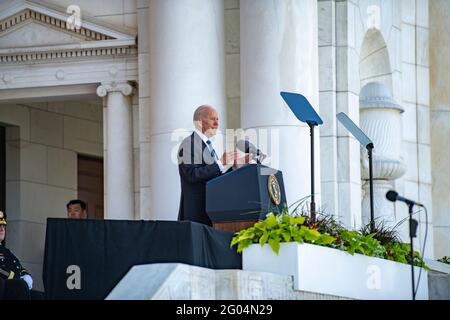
(85, 259)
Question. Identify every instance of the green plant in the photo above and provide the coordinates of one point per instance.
(325, 231)
(401, 252)
(281, 228)
(397, 252)
(382, 232)
(353, 242)
(444, 259)
(324, 224)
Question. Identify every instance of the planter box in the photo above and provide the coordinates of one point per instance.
(331, 271)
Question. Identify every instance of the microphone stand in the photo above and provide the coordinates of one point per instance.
(372, 219)
(412, 234)
(313, 203)
(366, 142)
(305, 112)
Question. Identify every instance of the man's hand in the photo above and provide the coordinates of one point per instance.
(245, 159)
(229, 157)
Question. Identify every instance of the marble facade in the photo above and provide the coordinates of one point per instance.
(167, 58)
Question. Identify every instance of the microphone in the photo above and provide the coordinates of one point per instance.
(393, 196)
(247, 147)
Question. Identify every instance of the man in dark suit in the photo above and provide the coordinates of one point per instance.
(198, 162)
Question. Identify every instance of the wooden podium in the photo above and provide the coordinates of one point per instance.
(242, 197)
(233, 226)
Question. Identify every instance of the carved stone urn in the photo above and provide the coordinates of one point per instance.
(380, 119)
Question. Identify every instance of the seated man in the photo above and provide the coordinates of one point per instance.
(15, 281)
(76, 209)
(198, 163)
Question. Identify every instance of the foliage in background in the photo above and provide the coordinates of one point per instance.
(384, 242)
(353, 242)
(383, 232)
(444, 259)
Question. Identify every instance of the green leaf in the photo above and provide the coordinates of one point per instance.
(275, 233)
(285, 219)
(350, 250)
(247, 235)
(286, 235)
(297, 220)
(292, 230)
(312, 235)
(326, 239)
(234, 241)
(303, 229)
(275, 245)
(271, 221)
(264, 238)
(297, 235)
(260, 225)
(243, 244)
(400, 258)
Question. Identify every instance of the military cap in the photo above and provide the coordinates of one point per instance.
(2, 218)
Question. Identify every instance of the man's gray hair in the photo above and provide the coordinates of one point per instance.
(199, 113)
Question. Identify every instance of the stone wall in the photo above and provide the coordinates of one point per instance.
(367, 41)
(43, 140)
(440, 122)
(415, 100)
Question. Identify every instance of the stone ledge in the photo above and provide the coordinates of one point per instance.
(438, 285)
(437, 266)
(178, 281)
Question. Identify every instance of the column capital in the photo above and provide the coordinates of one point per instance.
(123, 87)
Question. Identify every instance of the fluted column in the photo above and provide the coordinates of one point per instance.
(186, 43)
(380, 118)
(279, 52)
(119, 186)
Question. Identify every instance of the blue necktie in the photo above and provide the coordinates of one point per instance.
(213, 152)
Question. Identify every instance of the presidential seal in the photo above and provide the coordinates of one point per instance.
(274, 189)
(2, 218)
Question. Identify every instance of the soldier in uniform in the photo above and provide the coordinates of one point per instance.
(15, 281)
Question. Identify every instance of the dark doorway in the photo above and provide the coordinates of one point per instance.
(2, 169)
(90, 185)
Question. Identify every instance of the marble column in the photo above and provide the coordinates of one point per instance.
(279, 52)
(144, 110)
(186, 52)
(118, 158)
(436, 131)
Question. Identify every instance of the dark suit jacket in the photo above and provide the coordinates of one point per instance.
(196, 167)
(9, 262)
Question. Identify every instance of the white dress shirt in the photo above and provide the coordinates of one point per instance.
(204, 138)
